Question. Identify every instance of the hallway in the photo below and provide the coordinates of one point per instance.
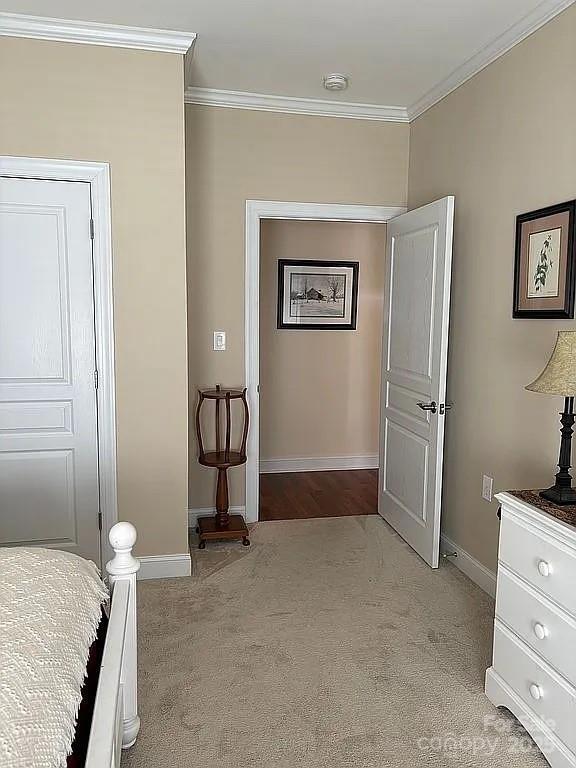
(299, 495)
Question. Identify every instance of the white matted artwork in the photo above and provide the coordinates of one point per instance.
(317, 295)
(544, 263)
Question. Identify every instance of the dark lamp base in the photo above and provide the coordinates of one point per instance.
(558, 495)
(562, 492)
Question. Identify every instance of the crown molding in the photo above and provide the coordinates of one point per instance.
(92, 33)
(173, 41)
(541, 15)
(269, 103)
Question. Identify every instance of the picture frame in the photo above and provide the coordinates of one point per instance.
(317, 294)
(544, 263)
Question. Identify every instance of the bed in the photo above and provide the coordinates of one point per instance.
(67, 668)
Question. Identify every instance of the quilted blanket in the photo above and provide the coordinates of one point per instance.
(50, 608)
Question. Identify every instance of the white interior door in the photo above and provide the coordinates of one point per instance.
(48, 421)
(415, 347)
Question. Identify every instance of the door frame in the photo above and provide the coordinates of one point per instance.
(256, 210)
(98, 176)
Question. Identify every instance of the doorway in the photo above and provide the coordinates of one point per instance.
(256, 212)
(57, 412)
(320, 386)
(414, 360)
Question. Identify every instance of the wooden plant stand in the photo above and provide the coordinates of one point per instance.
(223, 525)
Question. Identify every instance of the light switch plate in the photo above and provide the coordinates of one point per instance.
(219, 341)
(487, 483)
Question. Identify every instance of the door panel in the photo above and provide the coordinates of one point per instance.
(33, 295)
(414, 374)
(27, 419)
(41, 511)
(404, 403)
(403, 448)
(410, 342)
(49, 492)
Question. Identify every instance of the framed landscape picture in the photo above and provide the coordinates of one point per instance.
(544, 269)
(317, 295)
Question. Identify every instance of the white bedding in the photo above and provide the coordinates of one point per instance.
(50, 608)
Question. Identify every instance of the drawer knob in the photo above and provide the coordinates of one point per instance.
(535, 692)
(544, 568)
(540, 631)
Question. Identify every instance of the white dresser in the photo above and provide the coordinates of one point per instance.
(533, 671)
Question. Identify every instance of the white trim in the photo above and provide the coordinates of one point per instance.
(529, 24)
(465, 562)
(271, 209)
(165, 566)
(93, 33)
(541, 15)
(98, 176)
(265, 102)
(315, 464)
(179, 42)
(194, 514)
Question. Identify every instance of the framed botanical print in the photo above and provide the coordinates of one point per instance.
(317, 295)
(544, 268)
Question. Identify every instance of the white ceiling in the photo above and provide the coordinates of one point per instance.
(394, 51)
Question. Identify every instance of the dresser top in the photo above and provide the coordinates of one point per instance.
(565, 514)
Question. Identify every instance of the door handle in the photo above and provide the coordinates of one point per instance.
(428, 406)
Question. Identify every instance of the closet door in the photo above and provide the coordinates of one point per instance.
(48, 419)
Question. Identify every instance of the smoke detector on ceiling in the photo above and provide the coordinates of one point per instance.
(335, 82)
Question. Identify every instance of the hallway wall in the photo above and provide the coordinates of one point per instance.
(320, 390)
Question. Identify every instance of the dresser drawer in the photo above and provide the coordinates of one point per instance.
(544, 692)
(548, 564)
(546, 629)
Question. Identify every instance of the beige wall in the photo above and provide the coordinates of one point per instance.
(320, 390)
(503, 143)
(124, 107)
(234, 155)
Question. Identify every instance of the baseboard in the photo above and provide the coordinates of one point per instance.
(323, 464)
(194, 514)
(164, 566)
(476, 572)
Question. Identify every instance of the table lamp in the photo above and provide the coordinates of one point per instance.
(559, 378)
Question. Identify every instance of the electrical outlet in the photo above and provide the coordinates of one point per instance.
(487, 483)
(219, 341)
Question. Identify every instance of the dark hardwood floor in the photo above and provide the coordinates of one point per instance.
(298, 495)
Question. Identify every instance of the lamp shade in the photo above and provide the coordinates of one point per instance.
(559, 375)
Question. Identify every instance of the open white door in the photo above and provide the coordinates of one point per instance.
(414, 357)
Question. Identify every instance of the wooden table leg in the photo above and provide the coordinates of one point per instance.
(222, 516)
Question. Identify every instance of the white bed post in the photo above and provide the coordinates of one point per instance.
(124, 567)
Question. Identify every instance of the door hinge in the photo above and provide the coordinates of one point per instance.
(95, 379)
(99, 521)
(91, 229)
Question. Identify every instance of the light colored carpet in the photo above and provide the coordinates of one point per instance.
(326, 643)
